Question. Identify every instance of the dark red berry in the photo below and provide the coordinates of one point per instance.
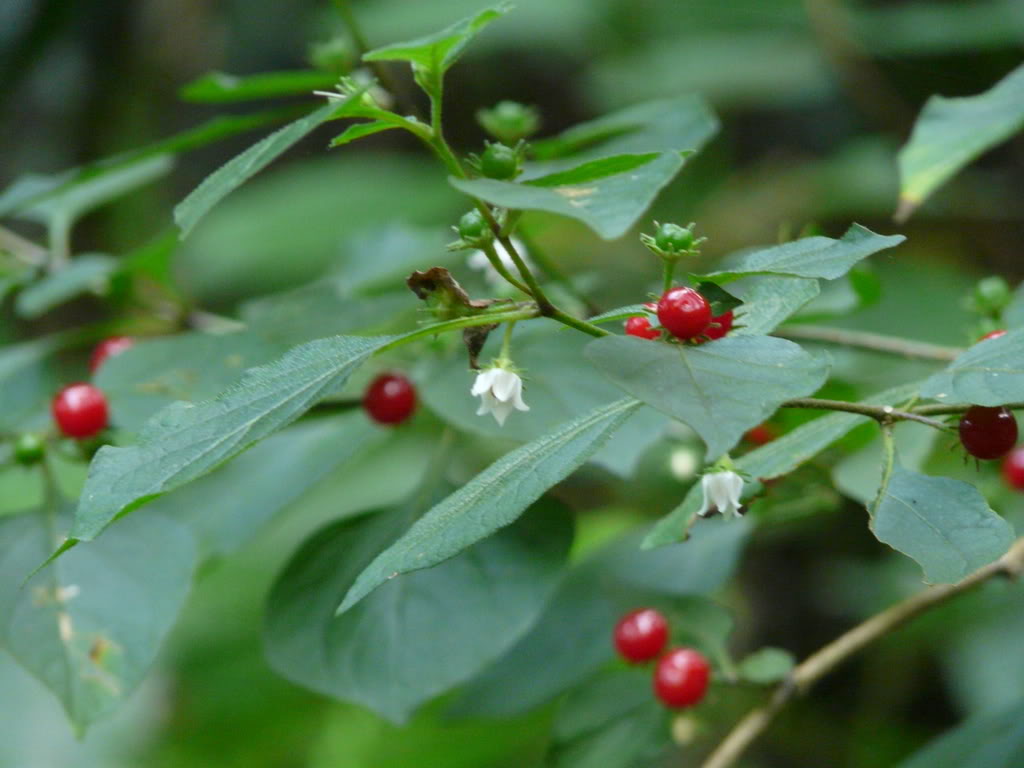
(641, 635)
(390, 399)
(641, 326)
(720, 326)
(681, 677)
(684, 313)
(108, 348)
(80, 410)
(993, 334)
(1013, 468)
(762, 434)
(988, 433)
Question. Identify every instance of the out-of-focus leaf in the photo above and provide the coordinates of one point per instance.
(87, 273)
(990, 373)
(769, 300)
(989, 740)
(766, 666)
(950, 133)
(359, 130)
(220, 87)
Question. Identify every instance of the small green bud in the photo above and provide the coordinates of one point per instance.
(499, 162)
(473, 227)
(509, 121)
(336, 55)
(29, 449)
(673, 238)
(991, 295)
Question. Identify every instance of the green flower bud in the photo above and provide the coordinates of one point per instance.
(509, 121)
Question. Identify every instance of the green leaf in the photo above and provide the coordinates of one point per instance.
(820, 257)
(635, 737)
(766, 666)
(988, 740)
(989, 373)
(89, 626)
(359, 130)
(87, 273)
(394, 650)
(720, 389)
(435, 54)
(239, 170)
(220, 87)
(185, 441)
(769, 300)
(677, 124)
(777, 458)
(859, 475)
(944, 524)
(950, 133)
(493, 499)
(618, 315)
(608, 195)
(28, 378)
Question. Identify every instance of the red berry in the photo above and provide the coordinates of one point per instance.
(1013, 468)
(641, 326)
(681, 677)
(762, 434)
(107, 348)
(640, 635)
(993, 334)
(988, 433)
(684, 313)
(720, 326)
(80, 410)
(390, 399)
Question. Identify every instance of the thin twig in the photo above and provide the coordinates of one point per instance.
(822, 662)
(873, 341)
(941, 409)
(880, 413)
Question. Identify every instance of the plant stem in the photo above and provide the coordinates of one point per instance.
(553, 272)
(485, 318)
(880, 413)
(499, 267)
(362, 46)
(668, 270)
(874, 341)
(822, 662)
(941, 409)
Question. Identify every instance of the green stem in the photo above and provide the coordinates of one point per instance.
(506, 342)
(881, 413)
(362, 46)
(552, 272)
(499, 267)
(874, 341)
(943, 409)
(667, 273)
(486, 318)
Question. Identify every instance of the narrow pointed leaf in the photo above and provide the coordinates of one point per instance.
(820, 257)
(493, 499)
(359, 130)
(185, 441)
(88, 272)
(608, 195)
(989, 373)
(220, 87)
(720, 389)
(944, 524)
(950, 133)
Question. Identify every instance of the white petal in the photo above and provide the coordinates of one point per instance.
(501, 411)
(706, 505)
(484, 382)
(505, 384)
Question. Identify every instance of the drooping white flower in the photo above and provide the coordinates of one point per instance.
(500, 391)
(478, 260)
(722, 492)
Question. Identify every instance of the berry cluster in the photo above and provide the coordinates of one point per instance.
(681, 675)
(80, 410)
(685, 314)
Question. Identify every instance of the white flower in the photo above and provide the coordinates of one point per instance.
(721, 493)
(500, 390)
(478, 260)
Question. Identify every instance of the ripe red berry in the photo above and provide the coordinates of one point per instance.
(720, 326)
(108, 348)
(641, 326)
(988, 433)
(993, 334)
(684, 313)
(80, 410)
(641, 635)
(1013, 468)
(681, 677)
(390, 399)
(762, 434)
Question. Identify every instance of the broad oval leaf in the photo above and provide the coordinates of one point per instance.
(815, 257)
(185, 441)
(779, 457)
(988, 740)
(493, 499)
(989, 373)
(769, 300)
(949, 133)
(608, 195)
(417, 636)
(944, 524)
(90, 625)
(720, 389)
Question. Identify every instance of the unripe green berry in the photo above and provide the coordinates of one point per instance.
(29, 449)
(992, 294)
(673, 238)
(499, 162)
(472, 226)
(336, 55)
(509, 121)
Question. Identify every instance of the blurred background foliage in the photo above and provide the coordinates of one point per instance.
(814, 98)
